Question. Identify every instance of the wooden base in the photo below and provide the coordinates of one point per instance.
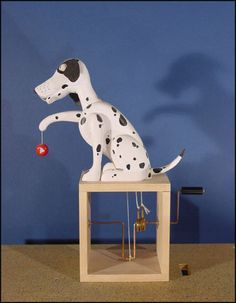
(106, 265)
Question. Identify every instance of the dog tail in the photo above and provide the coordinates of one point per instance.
(165, 168)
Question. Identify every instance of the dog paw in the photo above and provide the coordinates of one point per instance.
(43, 125)
(91, 175)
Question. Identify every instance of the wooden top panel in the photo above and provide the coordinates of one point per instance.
(156, 183)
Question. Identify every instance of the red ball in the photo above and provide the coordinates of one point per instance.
(41, 150)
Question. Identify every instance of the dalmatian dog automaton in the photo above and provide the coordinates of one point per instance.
(101, 125)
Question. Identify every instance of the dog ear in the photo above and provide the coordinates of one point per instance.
(70, 69)
(75, 98)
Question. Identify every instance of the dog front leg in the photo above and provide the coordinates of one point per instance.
(96, 126)
(69, 116)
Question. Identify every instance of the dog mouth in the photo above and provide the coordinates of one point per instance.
(49, 99)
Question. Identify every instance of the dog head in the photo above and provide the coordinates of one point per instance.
(69, 75)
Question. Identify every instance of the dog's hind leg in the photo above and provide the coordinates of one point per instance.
(96, 126)
(119, 175)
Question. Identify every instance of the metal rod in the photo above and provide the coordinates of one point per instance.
(152, 222)
(127, 204)
(134, 241)
(134, 235)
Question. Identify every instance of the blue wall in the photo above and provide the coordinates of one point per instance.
(169, 66)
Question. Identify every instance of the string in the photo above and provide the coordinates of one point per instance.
(136, 200)
(41, 137)
(147, 211)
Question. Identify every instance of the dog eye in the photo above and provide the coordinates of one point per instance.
(64, 86)
(62, 67)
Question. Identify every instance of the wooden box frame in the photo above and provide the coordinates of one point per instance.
(103, 264)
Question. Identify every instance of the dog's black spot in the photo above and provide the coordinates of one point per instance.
(114, 115)
(114, 175)
(133, 132)
(120, 156)
(97, 154)
(59, 94)
(141, 165)
(128, 166)
(114, 109)
(72, 70)
(134, 144)
(113, 151)
(157, 170)
(87, 99)
(134, 159)
(100, 125)
(56, 117)
(149, 175)
(117, 145)
(122, 120)
(137, 146)
(49, 98)
(78, 115)
(107, 140)
(89, 106)
(99, 118)
(83, 120)
(64, 86)
(119, 140)
(75, 97)
(98, 149)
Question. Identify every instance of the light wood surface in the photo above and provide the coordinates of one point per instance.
(163, 232)
(50, 273)
(120, 270)
(84, 231)
(156, 183)
(106, 265)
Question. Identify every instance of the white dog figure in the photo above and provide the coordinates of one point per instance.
(101, 125)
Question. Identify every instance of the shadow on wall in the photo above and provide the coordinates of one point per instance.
(201, 72)
(212, 114)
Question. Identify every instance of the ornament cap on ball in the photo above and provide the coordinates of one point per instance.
(41, 150)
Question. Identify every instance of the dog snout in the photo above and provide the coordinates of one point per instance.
(51, 90)
(43, 91)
